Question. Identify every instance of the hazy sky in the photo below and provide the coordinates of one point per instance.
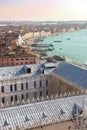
(43, 10)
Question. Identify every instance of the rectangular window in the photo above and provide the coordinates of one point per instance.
(47, 82)
(15, 87)
(11, 89)
(17, 59)
(15, 97)
(35, 95)
(34, 84)
(22, 59)
(26, 96)
(26, 85)
(40, 83)
(26, 58)
(22, 96)
(11, 98)
(3, 100)
(22, 87)
(40, 93)
(46, 92)
(2, 89)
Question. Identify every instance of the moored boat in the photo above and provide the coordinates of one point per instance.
(58, 41)
(41, 45)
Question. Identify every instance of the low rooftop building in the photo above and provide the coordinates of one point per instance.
(18, 56)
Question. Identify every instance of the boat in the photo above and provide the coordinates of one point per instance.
(51, 44)
(61, 48)
(44, 37)
(58, 41)
(68, 38)
(42, 49)
(34, 44)
(50, 49)
(43, 54)
(40, 39)
(41, 45)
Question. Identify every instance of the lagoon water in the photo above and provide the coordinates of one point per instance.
(73, 45)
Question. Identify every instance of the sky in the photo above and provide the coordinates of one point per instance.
(43, 10)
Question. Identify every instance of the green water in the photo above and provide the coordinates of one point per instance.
(75, 49)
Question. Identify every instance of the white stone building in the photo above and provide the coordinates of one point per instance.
(21, 83)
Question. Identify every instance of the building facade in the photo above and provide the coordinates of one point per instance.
(20, 90)
(12, 61)
(22, 84)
